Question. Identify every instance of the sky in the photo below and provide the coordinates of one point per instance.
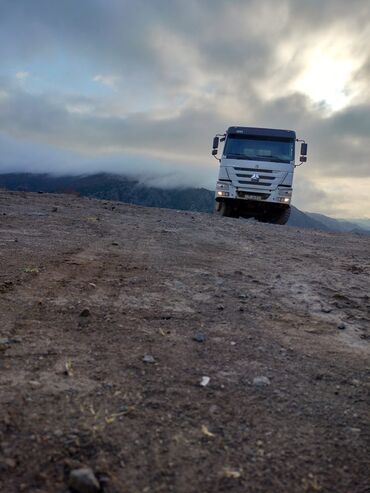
(141, 87)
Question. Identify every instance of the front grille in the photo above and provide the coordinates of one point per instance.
(254, 170)
(262, 177)
(242, 182)
(267, 177)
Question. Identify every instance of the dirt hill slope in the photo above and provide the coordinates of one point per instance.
(100, 306)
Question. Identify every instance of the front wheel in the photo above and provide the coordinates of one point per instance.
(281, 217)
(225, 209)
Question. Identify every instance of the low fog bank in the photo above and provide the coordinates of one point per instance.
(28, 157)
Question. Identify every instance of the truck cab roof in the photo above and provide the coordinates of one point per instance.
(262, 132)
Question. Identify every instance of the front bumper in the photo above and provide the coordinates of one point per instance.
(225, 190)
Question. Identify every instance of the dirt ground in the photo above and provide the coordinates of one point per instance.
(110, 317)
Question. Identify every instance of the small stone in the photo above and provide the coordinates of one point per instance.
(205, 381)
(233, 343)
(83, 481)
(35, 383)
(54, 209)
(326, 309)
(220, 307)
(148, 358)
(261, 381)
(355, 430)
(8, 341)
(199, 337)
(341, 326)
(243, 296)
(85, 313)
(115, 243)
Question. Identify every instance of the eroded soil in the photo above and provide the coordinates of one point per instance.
(89, 288)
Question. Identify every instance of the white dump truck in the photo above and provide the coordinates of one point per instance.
(256, 172)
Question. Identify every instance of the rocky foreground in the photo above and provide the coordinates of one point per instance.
(148, 350)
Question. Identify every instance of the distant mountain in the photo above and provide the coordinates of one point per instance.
(363, 223)
(343, 226)
(304, 220)
(132, 191)
(112, 187)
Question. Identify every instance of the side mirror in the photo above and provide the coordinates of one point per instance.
(214, 152)
(215, 143)
(304, 149)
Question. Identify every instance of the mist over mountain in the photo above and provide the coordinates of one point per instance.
(135, 191)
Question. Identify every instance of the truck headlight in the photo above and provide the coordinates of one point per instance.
(284, 200)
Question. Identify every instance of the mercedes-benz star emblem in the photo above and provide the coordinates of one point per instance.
(255, 177)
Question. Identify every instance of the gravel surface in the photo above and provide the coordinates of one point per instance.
(113, 317)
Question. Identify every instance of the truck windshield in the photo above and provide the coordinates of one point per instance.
(259, 148)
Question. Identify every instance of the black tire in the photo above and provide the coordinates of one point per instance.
(226, 210)
(281, 217)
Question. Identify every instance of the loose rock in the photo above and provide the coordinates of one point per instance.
(341, 326)
(83, 481)
(326, 309)
(6, 343)
(148, 358)
(261, 381)
(205, 381)
(199, 337)
(10, 340)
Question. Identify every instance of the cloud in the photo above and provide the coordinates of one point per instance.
(22, 75)
(107, 80)
(185, 135)
(20, 155)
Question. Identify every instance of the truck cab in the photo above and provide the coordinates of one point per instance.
(256, 173)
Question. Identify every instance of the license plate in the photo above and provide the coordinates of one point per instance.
(252, 197)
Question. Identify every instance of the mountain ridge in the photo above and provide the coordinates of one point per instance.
(134, 191)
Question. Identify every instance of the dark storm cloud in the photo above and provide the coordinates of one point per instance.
(117, 30)
(159, 41)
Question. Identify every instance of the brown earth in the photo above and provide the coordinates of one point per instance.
(89, 288)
